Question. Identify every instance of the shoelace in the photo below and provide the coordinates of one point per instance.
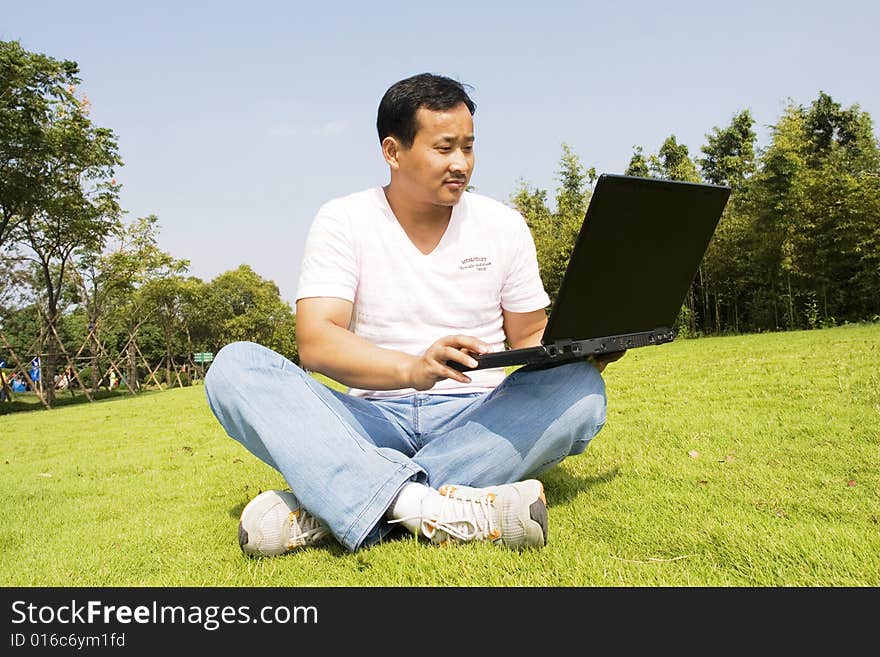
(305, 528)
(462, 516)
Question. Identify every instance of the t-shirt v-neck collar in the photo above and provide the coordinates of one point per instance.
(453, 217)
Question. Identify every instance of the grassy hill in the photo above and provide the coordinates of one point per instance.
(735, 461)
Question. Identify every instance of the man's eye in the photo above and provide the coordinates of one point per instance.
(444, 149)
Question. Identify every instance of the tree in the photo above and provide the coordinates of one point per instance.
(638, 164)
(673, 162)
(829, 129)
(32, 87)
(730, 153)
(67, 164)
(834, 249)
(133, 262)
(201, 320)
(250, 308)
(554, 233)
(729, 160)
(808, 221)
(167, 297)
(575, 183)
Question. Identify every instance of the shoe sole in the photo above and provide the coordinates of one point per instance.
(261, 505)
(537, 524)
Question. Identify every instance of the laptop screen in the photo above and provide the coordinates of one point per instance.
(638, 250)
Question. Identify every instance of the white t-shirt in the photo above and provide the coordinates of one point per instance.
(406, 300)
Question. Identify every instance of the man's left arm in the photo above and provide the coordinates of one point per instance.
(526, 330)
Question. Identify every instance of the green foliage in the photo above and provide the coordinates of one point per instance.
(797, 246)
(638, 164)
(57, 193)
(56, 188)
(33, 90)
(673, 162)
(251, 308)
(810, 221)
(554, 232)
(730, 152)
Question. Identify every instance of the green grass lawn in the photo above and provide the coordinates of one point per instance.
(735, 461)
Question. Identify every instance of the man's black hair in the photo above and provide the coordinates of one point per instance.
(397, 109)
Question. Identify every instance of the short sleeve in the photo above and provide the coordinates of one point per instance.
(329, 266)
(523, 290)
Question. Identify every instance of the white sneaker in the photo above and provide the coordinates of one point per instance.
(512, 515)
(274, 523)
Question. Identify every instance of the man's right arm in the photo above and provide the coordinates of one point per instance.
(326, 346)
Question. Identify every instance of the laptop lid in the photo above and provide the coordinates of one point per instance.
(637, 252)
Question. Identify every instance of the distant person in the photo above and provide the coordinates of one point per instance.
(63, 379)
(395, 281)
(18, 384)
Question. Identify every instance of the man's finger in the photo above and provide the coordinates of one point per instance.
(466, 342)
(458, 356)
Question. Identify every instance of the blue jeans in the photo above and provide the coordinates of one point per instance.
(346, 458)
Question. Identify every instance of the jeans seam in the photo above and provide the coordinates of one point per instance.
(403, 469)
(553, 461)
(416, 421)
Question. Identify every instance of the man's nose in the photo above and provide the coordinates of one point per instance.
(459, 162)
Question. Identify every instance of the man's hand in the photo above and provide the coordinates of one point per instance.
(601, 361)
(424, 371)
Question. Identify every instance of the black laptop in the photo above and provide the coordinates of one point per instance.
(637, 252)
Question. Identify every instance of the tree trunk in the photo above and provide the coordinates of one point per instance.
(169, 359)
(692, 305)
(736, 315)
(704, 301)
(48, 362)
(93, 357)
(131, 380)
(825, 300)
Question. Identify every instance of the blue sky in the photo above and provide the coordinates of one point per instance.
(237, 120)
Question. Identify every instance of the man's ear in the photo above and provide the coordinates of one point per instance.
(390, 150)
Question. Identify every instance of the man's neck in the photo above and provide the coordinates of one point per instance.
(424, 223)
(414, 214)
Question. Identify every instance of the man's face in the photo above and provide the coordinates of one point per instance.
(438, 166)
